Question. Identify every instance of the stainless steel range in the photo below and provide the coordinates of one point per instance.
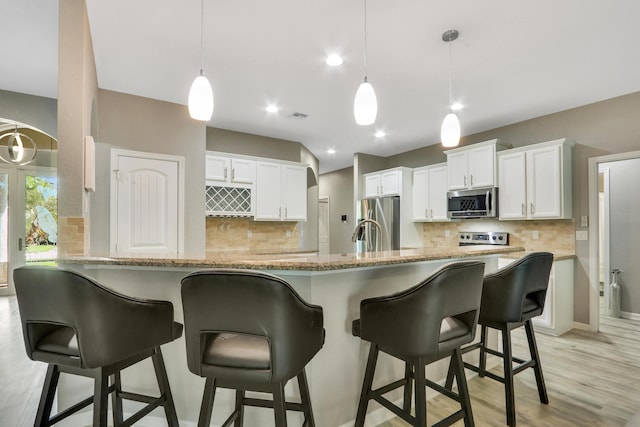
(467, 238)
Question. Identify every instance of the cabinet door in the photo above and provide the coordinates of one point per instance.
(390, 183)
(438, 194)
(294, 193)
(371, 185)
(481, 167)
(268, 192)
(457, 170)
(421, 194)
(544, 183)
(243, 171)
(547, 318)
(513, 186)
(217, 168)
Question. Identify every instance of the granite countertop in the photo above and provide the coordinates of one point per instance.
(557, 255)
(302, 261)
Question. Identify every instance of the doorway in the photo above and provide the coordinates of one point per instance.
(28, 220)
(323, 226)
(613, 232)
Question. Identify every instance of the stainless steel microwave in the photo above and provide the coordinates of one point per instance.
(478, 203)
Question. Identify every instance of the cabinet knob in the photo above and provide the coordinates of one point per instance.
(285, 213)
(431, 213)
(225, 172)
(233, 173)
(531, 208)
(465, 180)
(524, 210)
(471, 180)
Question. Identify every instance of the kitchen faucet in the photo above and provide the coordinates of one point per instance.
(361, 224)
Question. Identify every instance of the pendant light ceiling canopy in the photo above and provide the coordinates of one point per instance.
(201, 94)
(365, 105)
(450, 131)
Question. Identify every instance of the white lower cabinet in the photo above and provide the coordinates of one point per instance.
(281, 192)
(557, 317)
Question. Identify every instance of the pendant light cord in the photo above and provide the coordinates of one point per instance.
(450, 98)
(365, 40)
(201, 37)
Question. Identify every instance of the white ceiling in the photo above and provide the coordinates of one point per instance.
(514, 60)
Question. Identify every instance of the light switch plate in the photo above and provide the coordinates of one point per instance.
(584, 221)
(582, 235)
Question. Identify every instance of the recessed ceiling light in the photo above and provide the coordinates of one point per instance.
(456, 106)
(381, 134)
(272, 108)
(334, 60)
(331, 151)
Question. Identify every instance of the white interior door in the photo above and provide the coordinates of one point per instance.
(146, 205)
(323, 224)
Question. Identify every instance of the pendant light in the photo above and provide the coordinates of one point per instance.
(450, 131)
(365, 105)
(201, 94)
(16, 152)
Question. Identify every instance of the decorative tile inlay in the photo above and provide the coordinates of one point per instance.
(245, 234)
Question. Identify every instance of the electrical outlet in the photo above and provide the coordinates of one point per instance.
(447, 233)
(249, 234)
(535, 235)
(582, 235)
(288, 233)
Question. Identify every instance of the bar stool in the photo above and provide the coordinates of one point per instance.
(419, 326)
(80, 327)
(249, 331)
(511, 297)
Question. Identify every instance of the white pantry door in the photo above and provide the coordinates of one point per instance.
(146, 204)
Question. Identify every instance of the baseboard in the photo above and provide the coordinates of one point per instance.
(630, 316)
(581, 326)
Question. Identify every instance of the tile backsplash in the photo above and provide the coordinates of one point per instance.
(245, 234)
(553, 235)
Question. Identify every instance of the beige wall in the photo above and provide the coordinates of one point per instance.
(77, 93)
(142, 124)
(37, 111)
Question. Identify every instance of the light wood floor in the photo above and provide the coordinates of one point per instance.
(592, 379)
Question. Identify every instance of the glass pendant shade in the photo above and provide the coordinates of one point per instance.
(450, 132)
(16, 148)
(365, 106)
(201, 99)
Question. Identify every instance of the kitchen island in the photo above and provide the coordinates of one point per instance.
(337, 282)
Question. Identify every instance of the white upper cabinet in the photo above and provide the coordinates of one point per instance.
(281, 192)
(535, 181)
(473, 166)
(430, 193)
(384, 183)
(229, 170)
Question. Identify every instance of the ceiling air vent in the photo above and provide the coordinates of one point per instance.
(298, 115)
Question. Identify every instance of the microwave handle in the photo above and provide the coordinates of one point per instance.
(487, 200)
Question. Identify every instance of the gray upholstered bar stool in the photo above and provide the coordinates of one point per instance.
(421, 325)
(249, 331)
(80, 327)
(511, 297)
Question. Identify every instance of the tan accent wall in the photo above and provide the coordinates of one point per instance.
(553, 236)
(72, 239)
(232, 234)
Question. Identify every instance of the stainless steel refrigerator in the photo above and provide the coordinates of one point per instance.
(377, 225)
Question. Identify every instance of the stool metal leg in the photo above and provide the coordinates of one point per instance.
(47, 396)
(537, 368)
(463, 390)
(100, 399)
(483, 353)
(306, 399)
(279, 405)
(508, 377)
(207, 403)
(420, 393)
(366, 385)
(165, 389)
(116, 400)
(407, 388)
(239, 408)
